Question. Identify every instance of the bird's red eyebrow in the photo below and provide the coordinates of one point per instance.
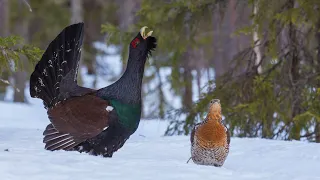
(135, 42)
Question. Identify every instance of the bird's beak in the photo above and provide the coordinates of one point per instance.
(143, 32)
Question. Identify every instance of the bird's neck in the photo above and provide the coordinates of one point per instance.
(127, 89)
(133, 74)
(214, 117)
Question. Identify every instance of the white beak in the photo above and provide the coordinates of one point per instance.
(143, 32)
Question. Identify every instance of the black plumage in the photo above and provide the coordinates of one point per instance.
(84, 119)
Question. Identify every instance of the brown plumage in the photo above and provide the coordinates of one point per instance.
(77, 119)
(210, 139)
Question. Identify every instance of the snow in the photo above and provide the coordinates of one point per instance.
(146, 155)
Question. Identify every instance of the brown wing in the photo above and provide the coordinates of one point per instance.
(193, 132)
(74, 121)
(192, 135)
(228, 135)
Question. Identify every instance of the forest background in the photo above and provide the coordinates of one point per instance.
(261, 58)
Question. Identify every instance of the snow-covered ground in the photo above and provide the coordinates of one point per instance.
(147, 155)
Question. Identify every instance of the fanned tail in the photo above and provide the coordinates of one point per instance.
(56, 72)
(55, 140)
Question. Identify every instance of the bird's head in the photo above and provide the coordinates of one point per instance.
(215, 106)
(142, 45)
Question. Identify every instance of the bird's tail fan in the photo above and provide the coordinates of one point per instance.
(58, 66)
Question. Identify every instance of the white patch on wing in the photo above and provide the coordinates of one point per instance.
(105, 128)
(109, 108)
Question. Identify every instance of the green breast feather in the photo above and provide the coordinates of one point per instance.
(129, 114)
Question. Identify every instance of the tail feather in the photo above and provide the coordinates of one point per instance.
(55, 137)
(60, 59)
(49, 132)
(63, 144)
(55, 140)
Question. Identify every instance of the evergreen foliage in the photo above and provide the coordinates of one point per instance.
(11, 48)
(283, 101)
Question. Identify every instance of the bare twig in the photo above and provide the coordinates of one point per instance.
(26, 2)
(8, 83)
(5, 81)
(189, 160)
(308, 134)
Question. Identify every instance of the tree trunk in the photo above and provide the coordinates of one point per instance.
(317, 128)
(317, 132)
(267, 125)
(187, 95)
(4, 32)
(76, 16)
(126, 17)
(187, 76)
(20, 77)
(161, 95)
(293, 78)
(199, 81)
(4, 18)
(217, 61)
(256, 40)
